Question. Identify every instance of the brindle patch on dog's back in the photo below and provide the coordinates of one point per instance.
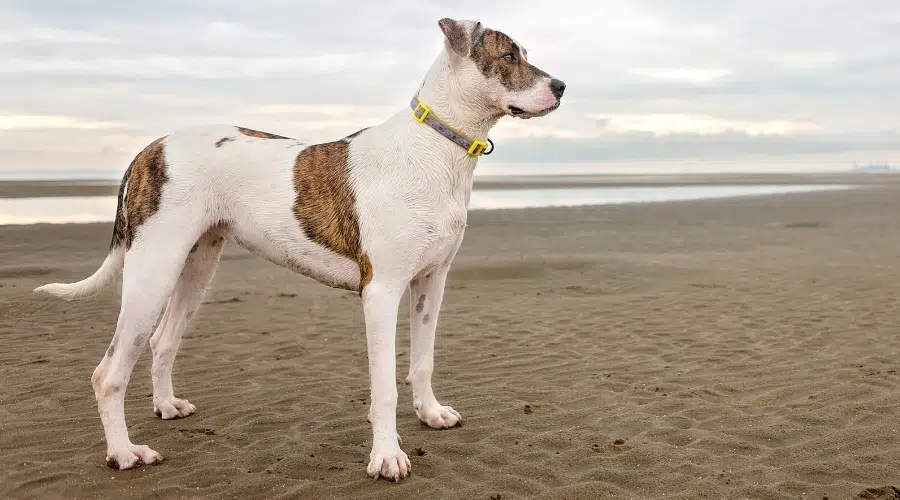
(223, 140)
(258, 134)
(489, 55)
(325, 205)
(142, 190)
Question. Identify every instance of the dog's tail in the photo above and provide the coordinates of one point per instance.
(93, 284)
(112, 265)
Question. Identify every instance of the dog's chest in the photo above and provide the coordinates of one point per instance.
(442, 232)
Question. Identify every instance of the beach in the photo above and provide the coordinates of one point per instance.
(711, 349)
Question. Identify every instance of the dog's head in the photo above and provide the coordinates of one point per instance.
(493, 68)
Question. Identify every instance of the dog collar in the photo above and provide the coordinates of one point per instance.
(422, 113)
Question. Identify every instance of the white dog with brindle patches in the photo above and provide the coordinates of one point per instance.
(378, 212)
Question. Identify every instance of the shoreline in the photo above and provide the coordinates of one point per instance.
(103, 187)
(96, 216)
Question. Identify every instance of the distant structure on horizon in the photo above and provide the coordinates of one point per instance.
(874, 168)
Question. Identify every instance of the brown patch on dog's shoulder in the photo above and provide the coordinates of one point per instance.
(365, 272)
(258, 134)
(498, 56)
(140, 192)
(223, 141)
(325, 205)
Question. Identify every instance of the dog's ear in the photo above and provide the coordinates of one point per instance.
(460, 35)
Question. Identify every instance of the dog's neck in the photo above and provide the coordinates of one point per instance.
(445, 95)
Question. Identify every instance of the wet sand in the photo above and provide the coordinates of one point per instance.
(738, 348)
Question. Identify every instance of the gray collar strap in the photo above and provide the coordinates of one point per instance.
(422, 113)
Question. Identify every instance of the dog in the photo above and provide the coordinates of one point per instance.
(378, 212)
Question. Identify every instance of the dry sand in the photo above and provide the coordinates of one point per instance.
(723, 349)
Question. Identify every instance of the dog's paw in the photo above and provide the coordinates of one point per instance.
(388, 461)
(131, 457)
(173, 408)
(438, 417)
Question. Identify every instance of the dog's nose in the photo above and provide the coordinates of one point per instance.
(558, 87)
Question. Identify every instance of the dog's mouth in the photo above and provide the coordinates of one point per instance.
(521, 113)
(552, 108)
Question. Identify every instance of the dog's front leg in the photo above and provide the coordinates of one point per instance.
(425, 296)
(380, 303)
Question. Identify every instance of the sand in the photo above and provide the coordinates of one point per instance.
(740, 348)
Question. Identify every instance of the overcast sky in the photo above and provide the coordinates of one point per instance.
(674, 85)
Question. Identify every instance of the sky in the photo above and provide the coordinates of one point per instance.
(652, 85)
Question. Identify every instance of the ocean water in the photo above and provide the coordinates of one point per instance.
(52, 174)
(488, 199)
(80, 209)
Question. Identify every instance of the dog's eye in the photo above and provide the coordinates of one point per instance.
(511, 57)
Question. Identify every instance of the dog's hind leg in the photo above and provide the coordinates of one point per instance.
(152, 268)
(425, 296)
(197, 274)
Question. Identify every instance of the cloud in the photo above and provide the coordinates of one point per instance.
(643, 147)
(647, 79)
(49, 34)
(682, 75)
(676, 123)
(38, 122)
(201, 67)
